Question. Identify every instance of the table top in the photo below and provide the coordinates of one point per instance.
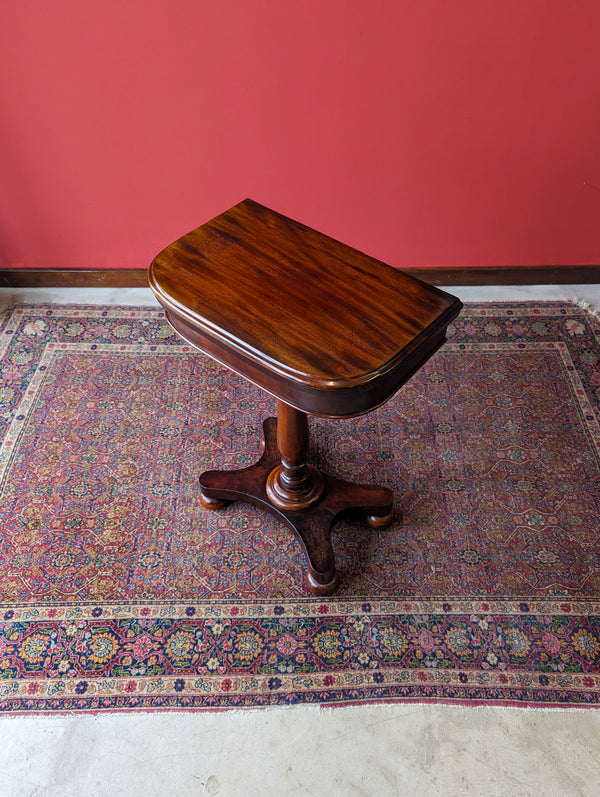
(293, 309)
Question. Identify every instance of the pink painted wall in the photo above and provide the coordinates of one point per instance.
(425, 132)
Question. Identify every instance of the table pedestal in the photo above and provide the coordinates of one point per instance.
(308, 501)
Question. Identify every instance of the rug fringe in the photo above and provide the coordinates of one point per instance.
(440, 705)
(585, 305)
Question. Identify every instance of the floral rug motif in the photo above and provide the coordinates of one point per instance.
(118, 591)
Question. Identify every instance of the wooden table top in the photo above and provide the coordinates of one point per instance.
(297, 312)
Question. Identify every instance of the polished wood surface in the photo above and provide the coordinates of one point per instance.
(293, 484)
(318, 324)
(324, 328)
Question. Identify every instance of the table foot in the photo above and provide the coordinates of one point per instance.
(381, 521)
(212, 503)
(316, 588)
(311, 524)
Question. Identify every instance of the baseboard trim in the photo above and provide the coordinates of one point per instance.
(477, 275)
(74, 278)
(508, 275)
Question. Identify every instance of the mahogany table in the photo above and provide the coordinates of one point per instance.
(322, 327)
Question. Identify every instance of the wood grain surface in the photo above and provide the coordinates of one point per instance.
(317, 323)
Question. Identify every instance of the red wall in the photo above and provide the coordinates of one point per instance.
(425, 132)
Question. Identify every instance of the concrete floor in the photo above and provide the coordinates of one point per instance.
(401, 749)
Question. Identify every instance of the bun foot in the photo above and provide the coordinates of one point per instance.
(317, 588)
(212, 503)
(380, 521)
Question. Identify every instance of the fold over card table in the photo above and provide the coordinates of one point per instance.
(325, 329)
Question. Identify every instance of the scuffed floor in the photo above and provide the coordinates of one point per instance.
(378, 750)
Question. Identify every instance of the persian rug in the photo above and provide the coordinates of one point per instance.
(118, 591)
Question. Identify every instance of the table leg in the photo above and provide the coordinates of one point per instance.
(308, 501)
(293, 484)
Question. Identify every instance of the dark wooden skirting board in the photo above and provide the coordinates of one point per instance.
(74, 278)
(476, 275)
(508, 275)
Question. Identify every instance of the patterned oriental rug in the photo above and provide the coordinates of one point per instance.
(118, 591)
